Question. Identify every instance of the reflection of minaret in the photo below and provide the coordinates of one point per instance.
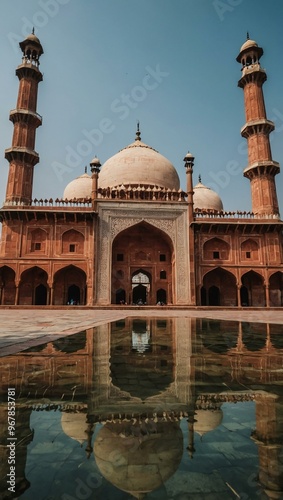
(261, 169)
(21, 155)
(24, 437)
(268, 436)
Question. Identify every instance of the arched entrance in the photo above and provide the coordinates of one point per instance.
(140, 287)
(276, 289)
(221, 287)
(120, 296)
(33, 288)
(253, 284)
(244, 296)
(161, 296)
(144, 249)
(70, 286)
(40, 296)
(7, 286)
(214, 296)
(74, 295)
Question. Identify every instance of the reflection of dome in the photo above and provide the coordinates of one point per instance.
(207, 420)
(78, 188)
(74, 425)
(206, 199)
(138, 164)
(138, 458)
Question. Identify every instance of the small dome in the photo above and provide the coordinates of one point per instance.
(74, 425)
(206, 199)
(95, 162)
(248, 44)
(33, 38)
(139, 164)
(78, 188)
(207, 420)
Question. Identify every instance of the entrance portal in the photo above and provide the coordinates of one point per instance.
(140, 288)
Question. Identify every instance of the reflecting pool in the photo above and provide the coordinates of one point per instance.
(161, 409)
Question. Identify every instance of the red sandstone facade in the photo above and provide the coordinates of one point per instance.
(146, 241)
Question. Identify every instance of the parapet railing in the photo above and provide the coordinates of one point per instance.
(58, 202)
(221, 214)
(141, 192)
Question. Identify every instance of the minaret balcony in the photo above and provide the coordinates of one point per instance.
(23, 155)
(268, 167)
(253, 73)
(29, 70)
(261, 126)
(25, 116)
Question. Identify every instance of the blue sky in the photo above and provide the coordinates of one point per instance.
(168, 63)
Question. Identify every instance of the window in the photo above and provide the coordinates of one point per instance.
(248, 255)
(72, 247)
(163, 275)
(120, 256)
(35, 246)
(162, 257)
(216, 255)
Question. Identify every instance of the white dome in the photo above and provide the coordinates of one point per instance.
(138, 164)
(206, 199)
(78, 188)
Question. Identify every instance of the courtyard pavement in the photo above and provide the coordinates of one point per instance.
(21, 328)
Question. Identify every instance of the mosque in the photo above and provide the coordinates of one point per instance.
(128, 233)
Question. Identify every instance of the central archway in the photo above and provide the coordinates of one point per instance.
(140, 287)
(145, 254)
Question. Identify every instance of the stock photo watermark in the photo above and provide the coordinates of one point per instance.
(222, 7)
(120, 107)
(48, 9)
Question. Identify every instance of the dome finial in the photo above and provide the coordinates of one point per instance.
(33, 30)
(85, 169)
(199, 178)
(138, 134)
(248, 35)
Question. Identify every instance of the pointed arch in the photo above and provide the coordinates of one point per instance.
(70, 285)
(249, 250)
(29, 293)
(276, 289)
(254, 284)
(7, 286)
(145, 249)
(216, 249)
(37, 241)
(161, 297)
(221, 286)
(73, 242)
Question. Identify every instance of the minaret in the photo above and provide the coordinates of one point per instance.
(261, 169)
(21, 155)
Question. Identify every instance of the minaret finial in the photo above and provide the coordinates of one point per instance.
(248, 35)
(138, 134)
(199, 178)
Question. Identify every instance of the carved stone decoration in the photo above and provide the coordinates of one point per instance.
(172, 223)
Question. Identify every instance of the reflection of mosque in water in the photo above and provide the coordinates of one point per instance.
(140, 379)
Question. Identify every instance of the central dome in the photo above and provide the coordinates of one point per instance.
(138, 164)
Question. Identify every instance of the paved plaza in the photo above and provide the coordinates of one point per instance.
(24, 328)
